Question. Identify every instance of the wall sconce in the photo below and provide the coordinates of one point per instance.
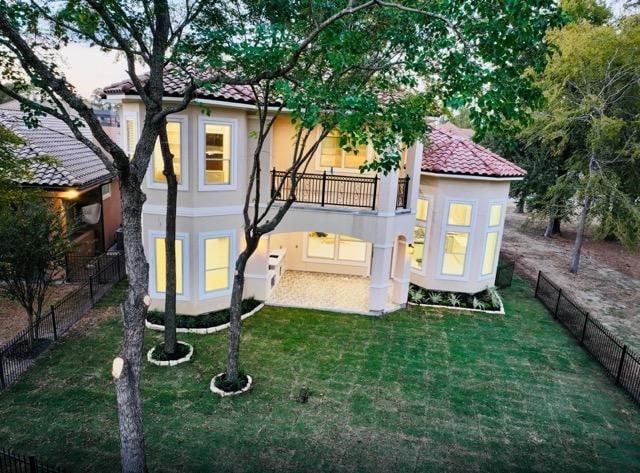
(70, 194)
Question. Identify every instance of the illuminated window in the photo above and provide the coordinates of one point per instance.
(334, 247)
(455, 253)
(495, 215)
(131, 127)
(489, 257)
(459, 214)
(321, 245)
(351, 249)
(420, 234)
(217, 154)
(332, 155)
(174, 130)
(161, 265)
(216, 263)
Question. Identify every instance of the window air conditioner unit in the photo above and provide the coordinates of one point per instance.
(91, 214)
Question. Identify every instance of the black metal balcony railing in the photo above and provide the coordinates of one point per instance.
(328, 189)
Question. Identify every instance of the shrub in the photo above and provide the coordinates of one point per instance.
(435, 298)
(206, 320)
(454, 299)
(416, 295)
(478, 304)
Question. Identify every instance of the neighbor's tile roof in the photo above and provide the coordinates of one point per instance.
(77, 165)
(175, 82)
(451, 153)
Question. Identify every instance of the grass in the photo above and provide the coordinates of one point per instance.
(412, 391)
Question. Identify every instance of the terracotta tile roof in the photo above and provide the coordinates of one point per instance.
(175, 82)
(451, 153)
(77, 165)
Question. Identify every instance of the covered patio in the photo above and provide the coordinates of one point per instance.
(325, 291)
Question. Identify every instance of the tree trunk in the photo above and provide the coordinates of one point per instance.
(233, 360)
(134, 310)
(520, 204)
(170, 338)
(553, 227)
(577, 247)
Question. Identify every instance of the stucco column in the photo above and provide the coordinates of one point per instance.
(401, 273)
(256, 281)
(387, 194)
(414, 168)
(380, 274)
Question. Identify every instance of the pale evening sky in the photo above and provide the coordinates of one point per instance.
(89, 68)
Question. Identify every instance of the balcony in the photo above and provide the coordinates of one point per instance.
(329, 189)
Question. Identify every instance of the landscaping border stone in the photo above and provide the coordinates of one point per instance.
(202, 331)
(464, 309)
(184, 359)
(214, 389)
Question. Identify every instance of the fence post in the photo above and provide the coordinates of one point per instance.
(324, 187)
(621, 364)
(535, 294)
(375, 191)
(555, 312)
(584, 328)
(53, 323)
(66, 267)
(32, 464)
(91, 290)
(118, 265)
(3, 383)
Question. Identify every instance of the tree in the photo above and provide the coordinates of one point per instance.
(592, 85)
(34, 241)
(462, 50)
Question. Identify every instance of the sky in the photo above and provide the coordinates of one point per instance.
(89, 68)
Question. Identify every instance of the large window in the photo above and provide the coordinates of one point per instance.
(174, 132)
(161, 265)
(456, 239)
(420, 235)
(217, 252)
(217, 154)
(332, 155)
(332, 247)
(489, 257)
(131, 130)
(455, 253)
(495, 215)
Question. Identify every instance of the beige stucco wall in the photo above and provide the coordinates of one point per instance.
(440, 191)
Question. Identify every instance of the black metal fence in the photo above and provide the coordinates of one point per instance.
(80, 267)
(329, 189)
(620, 361)
(23, 350)
(504, 272)
(11, 462)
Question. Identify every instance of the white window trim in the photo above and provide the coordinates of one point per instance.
(184, 237)
(136, 120)
(184, 160)
(429, 198)
(233, 254)
(335, 260)
(341, 170)
(490, 229)
(446, 228)
(108, 194)
(233, 154)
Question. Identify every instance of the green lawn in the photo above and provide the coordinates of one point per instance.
(406, 392)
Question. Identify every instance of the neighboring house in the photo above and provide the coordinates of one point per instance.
(437, 221)
(78, 182)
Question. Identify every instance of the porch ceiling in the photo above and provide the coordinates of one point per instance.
(325, 291)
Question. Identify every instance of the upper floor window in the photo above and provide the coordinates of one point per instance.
(105, 190)
(216, 164)
(495, 215)
(332, 155)
(174, 136)
(131, 133)
(459, 214)
(217, 150)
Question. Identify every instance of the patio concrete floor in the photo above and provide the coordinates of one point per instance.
(325, 291)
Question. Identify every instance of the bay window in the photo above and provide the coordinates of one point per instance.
(456, 239)
(160, 268)
(217, 154)
(174, 136)
(418, 251)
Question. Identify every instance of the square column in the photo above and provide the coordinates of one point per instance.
(401, 273)
(380, 274)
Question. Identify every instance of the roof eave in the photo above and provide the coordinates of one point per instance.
(472, 177)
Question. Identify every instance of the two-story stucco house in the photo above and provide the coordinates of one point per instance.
(436, 222)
